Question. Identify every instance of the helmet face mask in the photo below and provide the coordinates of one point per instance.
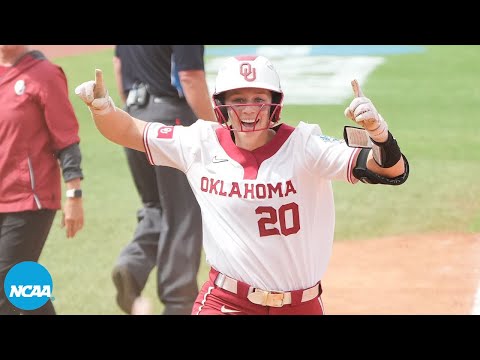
(265, 113)
(247, 72)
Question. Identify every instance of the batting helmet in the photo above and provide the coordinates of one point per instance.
(247, 71)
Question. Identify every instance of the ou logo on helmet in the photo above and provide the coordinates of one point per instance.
(28, 285)
(248, 73)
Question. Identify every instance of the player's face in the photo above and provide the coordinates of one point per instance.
(249, 109)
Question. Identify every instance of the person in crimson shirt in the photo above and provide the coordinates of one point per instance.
(40, 144)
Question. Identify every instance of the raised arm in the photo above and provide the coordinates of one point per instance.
(112, 122)
(385, 157)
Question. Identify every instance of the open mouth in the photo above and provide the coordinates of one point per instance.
(249, 124)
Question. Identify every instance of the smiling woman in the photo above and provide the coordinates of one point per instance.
(266, 254)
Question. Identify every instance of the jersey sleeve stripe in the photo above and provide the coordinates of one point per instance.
(353, 158)
(145, 143)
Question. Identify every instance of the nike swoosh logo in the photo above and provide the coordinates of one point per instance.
(225, 310)
(216, 160)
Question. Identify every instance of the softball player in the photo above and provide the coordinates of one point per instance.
(264, 188)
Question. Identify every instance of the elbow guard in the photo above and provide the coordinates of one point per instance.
(369, 177)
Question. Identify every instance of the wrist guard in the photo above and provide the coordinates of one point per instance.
(386, 154)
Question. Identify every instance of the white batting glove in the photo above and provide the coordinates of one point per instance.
(362, 111)
(94, 94)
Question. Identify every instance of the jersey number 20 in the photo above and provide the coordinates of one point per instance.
(275, 221)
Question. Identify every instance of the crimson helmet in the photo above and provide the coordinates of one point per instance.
(247, 71)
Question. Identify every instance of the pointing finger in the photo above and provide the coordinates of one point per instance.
(356, 88)
(99, 85)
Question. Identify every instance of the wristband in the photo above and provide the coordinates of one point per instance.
(73, 193)
(386, 154)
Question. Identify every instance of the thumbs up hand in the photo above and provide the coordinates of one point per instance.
(94, 94)
(362, 111)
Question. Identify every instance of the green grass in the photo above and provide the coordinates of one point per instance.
(429, 100)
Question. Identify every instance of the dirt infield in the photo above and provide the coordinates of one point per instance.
(419, 274)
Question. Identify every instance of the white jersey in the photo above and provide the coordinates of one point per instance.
(268, 214)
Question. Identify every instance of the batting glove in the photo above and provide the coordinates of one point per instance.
(362, 111)
(94, 94)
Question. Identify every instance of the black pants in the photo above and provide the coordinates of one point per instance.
(169, 229)
(22, 238)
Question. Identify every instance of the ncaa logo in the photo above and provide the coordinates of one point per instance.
(28, 285)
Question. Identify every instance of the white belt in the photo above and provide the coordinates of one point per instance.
(264, 297)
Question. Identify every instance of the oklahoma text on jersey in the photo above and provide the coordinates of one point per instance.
(247, 191)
